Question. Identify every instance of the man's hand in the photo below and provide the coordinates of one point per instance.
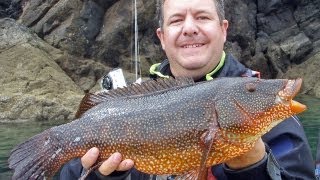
(251, 157)
(114, 162)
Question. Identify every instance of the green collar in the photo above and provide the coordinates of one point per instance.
(217, 68)
(153, 69)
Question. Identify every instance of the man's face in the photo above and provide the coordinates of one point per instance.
(192, 36)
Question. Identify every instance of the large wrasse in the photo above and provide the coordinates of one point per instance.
(171, 126)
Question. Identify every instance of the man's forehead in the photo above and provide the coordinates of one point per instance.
(173, 6)
(184, 0)
(189, 1)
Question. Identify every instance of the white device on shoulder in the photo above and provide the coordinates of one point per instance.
(113, 80)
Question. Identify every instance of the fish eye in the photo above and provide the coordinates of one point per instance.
(251, 87)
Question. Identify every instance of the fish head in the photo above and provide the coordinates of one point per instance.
(250, 107)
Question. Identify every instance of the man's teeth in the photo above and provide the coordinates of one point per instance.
(193, 45)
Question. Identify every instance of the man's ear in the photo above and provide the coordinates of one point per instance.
(161, 38)
(224, 26)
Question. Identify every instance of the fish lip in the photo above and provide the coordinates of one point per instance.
(291, 89)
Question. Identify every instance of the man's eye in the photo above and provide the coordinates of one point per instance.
(175, 21)
(203, 18)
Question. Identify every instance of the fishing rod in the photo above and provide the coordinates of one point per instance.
(136, 43)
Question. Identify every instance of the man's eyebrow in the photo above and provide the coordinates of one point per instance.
(181, 14)
(202, 12)
(175, 15)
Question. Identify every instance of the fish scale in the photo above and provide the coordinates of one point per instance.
(147, 132)
(172, 126)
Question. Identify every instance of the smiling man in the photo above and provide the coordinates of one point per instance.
(192, 34)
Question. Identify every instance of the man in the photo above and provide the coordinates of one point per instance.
(192, 34)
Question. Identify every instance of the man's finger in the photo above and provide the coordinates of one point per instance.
(125, 165)
(111, 164)
(90, 158)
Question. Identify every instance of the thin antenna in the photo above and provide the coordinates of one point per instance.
(132, 36)
(136, 45)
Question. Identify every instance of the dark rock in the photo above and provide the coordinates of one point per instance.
(10, 8)
(309, 70)
(84, 72)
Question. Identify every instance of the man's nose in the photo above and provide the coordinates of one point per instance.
(190, 27)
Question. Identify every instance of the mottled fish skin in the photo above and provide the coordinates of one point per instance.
(164, 132)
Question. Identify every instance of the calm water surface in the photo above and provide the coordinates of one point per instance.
(311, 120)
(12, 134)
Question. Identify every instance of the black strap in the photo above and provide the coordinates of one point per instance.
(116, 175)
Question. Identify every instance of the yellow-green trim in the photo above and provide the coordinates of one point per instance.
(221, 63)
(153, 71)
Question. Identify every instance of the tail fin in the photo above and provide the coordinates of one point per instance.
(37, 157)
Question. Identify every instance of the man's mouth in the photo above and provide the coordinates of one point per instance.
(192, 45)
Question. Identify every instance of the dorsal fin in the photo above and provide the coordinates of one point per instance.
(148, 87)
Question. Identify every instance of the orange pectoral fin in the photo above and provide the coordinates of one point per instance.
(206, 140)
(297, 107)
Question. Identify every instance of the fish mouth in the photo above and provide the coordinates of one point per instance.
(290, 90)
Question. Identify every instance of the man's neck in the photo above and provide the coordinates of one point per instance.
(205, 72)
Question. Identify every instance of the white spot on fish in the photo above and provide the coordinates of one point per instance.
(53, 156)
(111, 110)
(58, 151)
(77, 139)
(47, 141)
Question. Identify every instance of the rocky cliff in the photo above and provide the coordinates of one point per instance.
(56, 49)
